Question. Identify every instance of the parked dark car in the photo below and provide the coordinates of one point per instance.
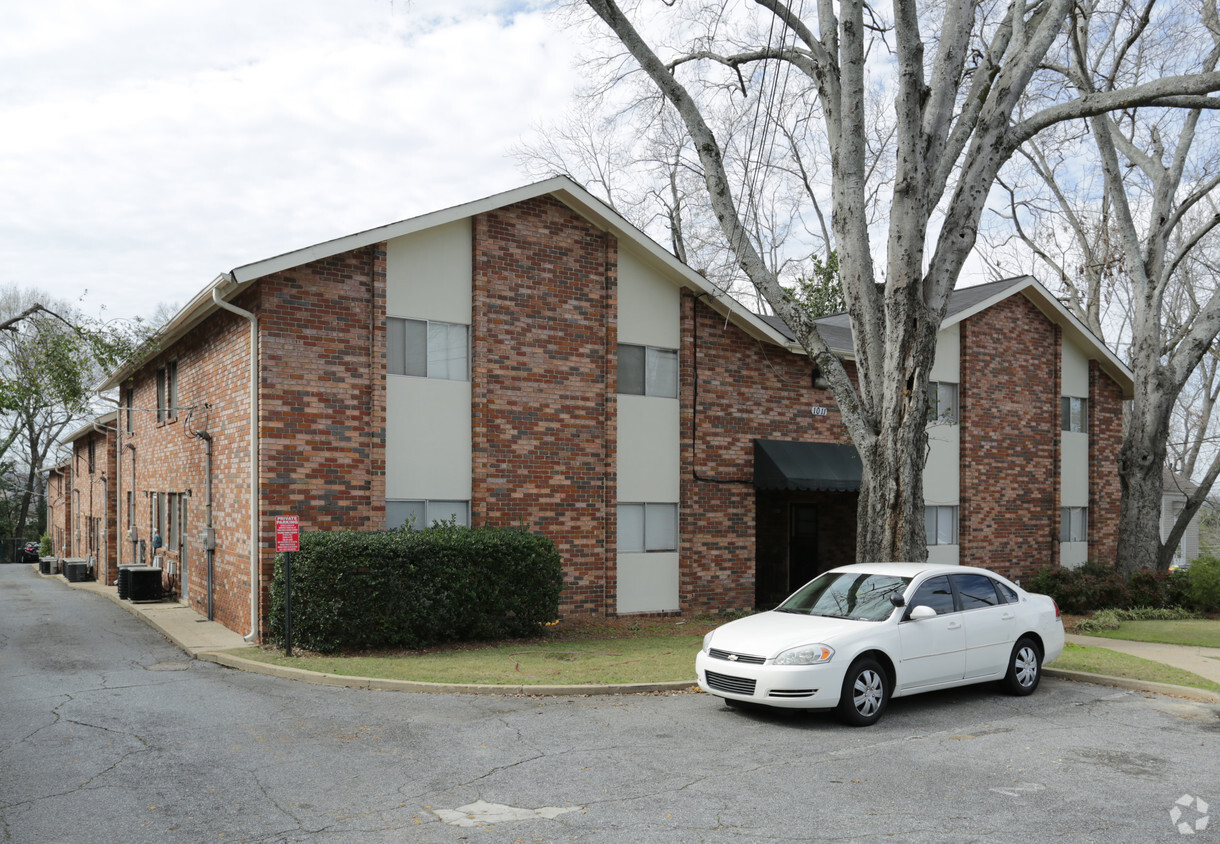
(29, 554)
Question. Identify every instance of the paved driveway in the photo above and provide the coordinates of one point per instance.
(108, 733)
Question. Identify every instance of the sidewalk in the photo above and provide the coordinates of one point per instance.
(203, 639)
(1202, 661)
(177, 622)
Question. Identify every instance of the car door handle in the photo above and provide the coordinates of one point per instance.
(1008, 616)
(955, 625)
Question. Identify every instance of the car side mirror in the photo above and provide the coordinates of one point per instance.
(922, 612)
(898, 600)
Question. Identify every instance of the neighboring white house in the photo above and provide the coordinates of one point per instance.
(1173, 502)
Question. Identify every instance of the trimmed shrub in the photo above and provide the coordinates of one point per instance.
(1150, 588)
(1203, 584)
(1093, 586)
(357, 590)
(1096, 586)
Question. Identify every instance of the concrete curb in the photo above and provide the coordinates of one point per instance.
(377, 684)
(1167, 689)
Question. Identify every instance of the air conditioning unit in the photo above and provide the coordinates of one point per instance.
(145, 584)
(125, 582)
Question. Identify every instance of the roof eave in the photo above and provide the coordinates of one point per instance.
(561, 187)
(1073, 328)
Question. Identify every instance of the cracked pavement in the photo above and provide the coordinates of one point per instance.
(107, 732)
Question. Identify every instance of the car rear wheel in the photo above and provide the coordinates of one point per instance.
(1024, 668)
(866, 692)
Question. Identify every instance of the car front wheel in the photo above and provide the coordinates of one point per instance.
(1024, 668)
(866, 691)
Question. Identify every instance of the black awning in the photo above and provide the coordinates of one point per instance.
(780, 464)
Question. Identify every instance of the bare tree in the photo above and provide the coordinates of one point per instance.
(625, 142)
(958, 73)
(1129, 241)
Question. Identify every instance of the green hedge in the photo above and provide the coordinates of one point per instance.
(1203, 579)
(1097, 586)
(355, 590)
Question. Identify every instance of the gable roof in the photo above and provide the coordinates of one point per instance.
(835, 329)
(562, 188)
(92, 426)
(968, 301)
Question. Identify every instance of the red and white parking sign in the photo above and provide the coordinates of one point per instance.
(287, 533)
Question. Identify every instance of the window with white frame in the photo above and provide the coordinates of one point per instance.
(428, 349)
(644, 528)
(1075, 414)
(1074, 524)
(942, 403)
(425, 512)
(647, 371)
(940, 524)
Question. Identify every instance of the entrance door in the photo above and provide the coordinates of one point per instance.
(802, 545)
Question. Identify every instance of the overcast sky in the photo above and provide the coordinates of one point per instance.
(149, 145)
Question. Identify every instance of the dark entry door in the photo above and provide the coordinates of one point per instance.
(802, 545)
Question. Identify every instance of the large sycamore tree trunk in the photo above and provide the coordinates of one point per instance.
(956, 124)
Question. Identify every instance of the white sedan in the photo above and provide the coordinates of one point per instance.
(853, 637)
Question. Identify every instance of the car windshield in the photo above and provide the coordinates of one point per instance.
(863, 597)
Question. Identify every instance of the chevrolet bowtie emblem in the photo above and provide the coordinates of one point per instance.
(732, 657)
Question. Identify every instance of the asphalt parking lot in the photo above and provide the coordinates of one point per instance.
(107, 732)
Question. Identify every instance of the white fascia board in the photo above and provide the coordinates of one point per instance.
(1073, 328)
(91, 427)
(561, 187)
(601, 215)
(251, 272)
(194, 312)
(564, 190)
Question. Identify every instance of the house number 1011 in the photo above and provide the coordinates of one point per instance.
(819, 411)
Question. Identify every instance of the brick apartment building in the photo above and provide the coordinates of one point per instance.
(81, 506)
(532, 359)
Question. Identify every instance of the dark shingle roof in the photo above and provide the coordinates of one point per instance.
(836, 328)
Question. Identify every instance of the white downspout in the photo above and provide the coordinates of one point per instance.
(254, 584)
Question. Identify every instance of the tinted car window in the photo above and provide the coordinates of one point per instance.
(934, 593)
(976, 591)
(1007, 594)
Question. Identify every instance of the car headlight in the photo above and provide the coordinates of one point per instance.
(707, 642)
(805, 655)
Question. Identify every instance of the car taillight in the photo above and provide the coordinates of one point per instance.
(1056, 603)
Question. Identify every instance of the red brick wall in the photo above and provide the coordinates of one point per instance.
(213, 396)
(746, 390)
(322, 397)
(92, 497)
(543, 387)
(59, 500)
(1105, 441)
(321, 430)
(1009, 439)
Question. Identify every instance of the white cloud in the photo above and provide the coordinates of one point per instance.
(151, 145)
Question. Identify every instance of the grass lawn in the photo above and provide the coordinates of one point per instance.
(626, 651)
(623, 659)
(1115, 664)
(1200, 632)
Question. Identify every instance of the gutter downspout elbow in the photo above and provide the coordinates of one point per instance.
(255, 586)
